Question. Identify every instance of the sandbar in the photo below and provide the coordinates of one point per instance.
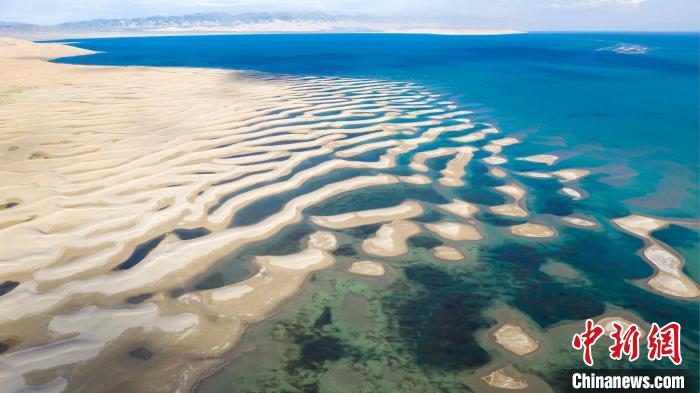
(460, 208)
(499, 379)
(454, 231)
(669, 278)
(403, 211)
(513, 338)
(447, 253)
(531, 230)
(567, 175)
(548, 159)
(579, 222)
(455, 169)
(390, 239)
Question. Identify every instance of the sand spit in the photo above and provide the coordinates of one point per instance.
(548, 159)
(97, 162)
(460, 208)
(514, 339)
(669, 278)
(403, 211)
(390, 239)
(447, 253)
(367, 268)
(418, 163)
(531, 230)
(455, 169)
(579, 222)
(454, 231)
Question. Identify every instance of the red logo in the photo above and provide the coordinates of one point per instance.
(586, 340)
(662, 342)
(665, 342)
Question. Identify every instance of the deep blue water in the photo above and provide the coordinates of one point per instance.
(633, 116)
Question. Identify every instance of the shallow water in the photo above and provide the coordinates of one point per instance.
(631, 119)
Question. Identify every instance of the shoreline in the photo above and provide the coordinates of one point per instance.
(58, 36)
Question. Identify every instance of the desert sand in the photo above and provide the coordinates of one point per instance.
(97, 161)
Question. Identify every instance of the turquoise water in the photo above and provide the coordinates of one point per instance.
(632, 119)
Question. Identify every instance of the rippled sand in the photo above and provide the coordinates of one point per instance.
(101, 167)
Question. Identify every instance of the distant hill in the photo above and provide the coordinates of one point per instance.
(219, 22)
(215, 21)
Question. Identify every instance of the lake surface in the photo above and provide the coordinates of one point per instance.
(624, 106)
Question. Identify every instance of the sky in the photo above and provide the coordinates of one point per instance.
(529, 15)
